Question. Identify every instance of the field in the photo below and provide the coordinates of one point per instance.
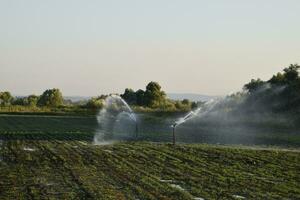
(152, 127)
(142, 170)
(52, 157)
(47, 127)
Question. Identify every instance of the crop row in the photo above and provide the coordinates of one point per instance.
(76, 169)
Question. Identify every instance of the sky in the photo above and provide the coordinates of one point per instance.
(95, 47)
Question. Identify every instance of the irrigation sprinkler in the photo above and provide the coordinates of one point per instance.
(136, 130)
(182, 120)
(174, 136)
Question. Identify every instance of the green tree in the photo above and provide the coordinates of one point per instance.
(282, 95)
(51, 98)
(154, 96)
(140, 97)
(21, 101)
(186, 102)
(279, 78)
(32, 100)
(254, 85)
(5, 98)
(291, 73)
(178, 104)
(129, 96)
(95, 102)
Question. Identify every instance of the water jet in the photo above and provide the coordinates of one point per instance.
(201, 111)
(115, 112)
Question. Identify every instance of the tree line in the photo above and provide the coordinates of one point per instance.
(155, 98)
(151, 98)
(281, 93)
(49, 98)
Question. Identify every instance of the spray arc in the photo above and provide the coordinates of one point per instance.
(115, 107)
(129, 112)
(199, 112)
(180, 121)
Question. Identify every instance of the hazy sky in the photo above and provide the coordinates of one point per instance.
(90, 47)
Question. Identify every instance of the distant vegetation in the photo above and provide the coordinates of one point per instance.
(281, 93)
(154, 98)
(50, 98)
(278, 95)
(52, 101)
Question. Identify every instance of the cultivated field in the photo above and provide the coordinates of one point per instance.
(151, 128)
(78, 170)
(52, 157)
(47, 127)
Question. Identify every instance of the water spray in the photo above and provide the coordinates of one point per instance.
(136, 130)
(104, 115)
(199, 111)
(130, 113)
(132, 116)
(180, 121)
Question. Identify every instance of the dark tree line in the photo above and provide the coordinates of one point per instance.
(281, 93)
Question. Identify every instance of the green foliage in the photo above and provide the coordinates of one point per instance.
(23, 109)
(254, 85)
(5, 98)
(186, 102)
(31, 100)
(279, 94)
(291, 73)
(51, 98)
(279, 78)
(140, 97)
(185, 105)
(36, 110)
(95, 102)
(153, 98)
(21, 101)
(130, 96)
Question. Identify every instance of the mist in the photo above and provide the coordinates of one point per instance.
(242, 118)
(245, 118)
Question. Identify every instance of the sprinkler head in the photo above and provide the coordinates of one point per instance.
(174, 137)
(174, 125)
